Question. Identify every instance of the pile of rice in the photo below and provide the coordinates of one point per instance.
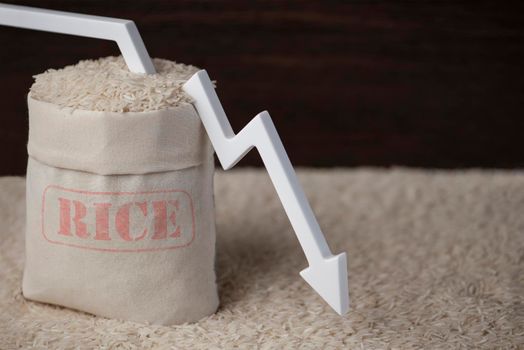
(106, 84)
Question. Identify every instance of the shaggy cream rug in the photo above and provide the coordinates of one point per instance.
(436, 260)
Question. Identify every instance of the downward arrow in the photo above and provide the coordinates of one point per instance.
(326, 274)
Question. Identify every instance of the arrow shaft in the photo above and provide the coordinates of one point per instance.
(123, 31)
(290, 192)
(260, 133)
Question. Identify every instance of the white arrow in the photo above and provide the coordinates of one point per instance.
(327, 274)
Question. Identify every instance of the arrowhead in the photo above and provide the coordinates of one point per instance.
(329, 279)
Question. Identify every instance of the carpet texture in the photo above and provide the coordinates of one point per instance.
(436, 260)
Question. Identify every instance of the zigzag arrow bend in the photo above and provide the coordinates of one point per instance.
(327, 274)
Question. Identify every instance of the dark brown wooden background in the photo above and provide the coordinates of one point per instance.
(426, 84)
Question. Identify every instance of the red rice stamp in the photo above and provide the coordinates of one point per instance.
(118, 221)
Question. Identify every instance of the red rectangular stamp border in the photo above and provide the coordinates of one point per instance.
(114, 250)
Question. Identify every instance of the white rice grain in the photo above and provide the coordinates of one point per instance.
(106, 84)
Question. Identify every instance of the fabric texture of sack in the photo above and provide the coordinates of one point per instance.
(120, 213)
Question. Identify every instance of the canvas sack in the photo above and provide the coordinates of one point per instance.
(120, 213)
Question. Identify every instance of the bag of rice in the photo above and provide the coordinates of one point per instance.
(120, 212)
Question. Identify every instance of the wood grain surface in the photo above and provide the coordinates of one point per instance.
(426, 84)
